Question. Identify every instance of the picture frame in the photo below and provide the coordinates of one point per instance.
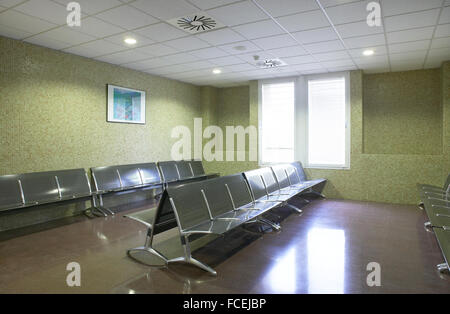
(125, 105)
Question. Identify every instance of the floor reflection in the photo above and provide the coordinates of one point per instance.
(282, 277)
(326, 260)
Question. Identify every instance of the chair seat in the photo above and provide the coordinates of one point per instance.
(217, 226)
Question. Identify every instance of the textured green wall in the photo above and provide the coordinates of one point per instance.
(406, 109)
(231, 108)
(53, 112)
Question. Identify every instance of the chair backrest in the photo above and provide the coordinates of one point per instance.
(40, 187)
(10, 193)
(169, 171)
(106, 178)
(292, 175)
(190, 206)
(129, 176)
(255, 182)
(269, 180)
(149, 172)
(300, 171)
(197, 167)
(239, 189)
(184, 169)
(74, 183)
(217, 196)
(280, 174)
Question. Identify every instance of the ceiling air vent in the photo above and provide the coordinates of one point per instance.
(270, 63)
(196, 23)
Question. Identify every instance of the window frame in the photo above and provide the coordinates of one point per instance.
(301, 116)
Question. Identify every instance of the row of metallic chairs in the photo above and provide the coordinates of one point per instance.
(436, 202)
(218, 205)
(40, 188)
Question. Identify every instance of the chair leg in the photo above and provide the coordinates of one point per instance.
(428, 226)
(295, 208)
(188, 259)
(421, 206)
(443, 268)
(145, 255)
(272, 224)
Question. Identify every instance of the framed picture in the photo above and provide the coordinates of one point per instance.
(126, 105)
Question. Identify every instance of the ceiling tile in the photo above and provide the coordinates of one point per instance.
(406, 66)
(445, 16)
(307, 67)
(238, 13)
(288, 51)
(285, 7)
(304, 21)
(316, 35)
(119, 39)
(94, 49)
(259, 29)
(98, 28)
(395, 7)
(260, 55)
(170, 69)
(347, 13)
(358, 52)
(9, 3)
(411, 20)
(410, 35)
(187, 43)
(23, 23)
(44, 9)
(46, 41)
(375, 68)
(246, 45)
(379, 60)
(209, 4)
(68, 35)
(325, 46)
(443, 42)
(299, 60)
(179, 58)
(442, 30)
(365, 41)
(278, 41)
(208, 53)
(334, 69)
(221, 36)
(161, 32)
(124, 57)
(165, 9)
(335, 55)
(13, 32)
(409, 46)
(240, 67)
(414, 56)
(127, 17)
(199, 65)
(226, 60)
(338, 63)
(437, 56)
(93, 7)
(331, 3)
(358, 29)
(157, 50)
(147, 64)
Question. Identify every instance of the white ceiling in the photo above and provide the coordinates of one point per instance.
(311, 36)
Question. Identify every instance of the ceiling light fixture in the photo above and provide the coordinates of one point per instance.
(368, 52)
(217, 71)
(130, 41)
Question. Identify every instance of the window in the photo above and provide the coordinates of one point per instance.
(306, 119)
(277, 122)
(327, 122)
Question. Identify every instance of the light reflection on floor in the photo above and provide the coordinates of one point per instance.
(282, 277)
(326, 260)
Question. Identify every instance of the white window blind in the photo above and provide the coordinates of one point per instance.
(327, 120)
(277, 122)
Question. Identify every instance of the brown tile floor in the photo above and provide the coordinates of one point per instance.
(325, 250)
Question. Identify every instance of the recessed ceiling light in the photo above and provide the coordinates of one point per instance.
(368, 52)
(217, 71)
(130, 41)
